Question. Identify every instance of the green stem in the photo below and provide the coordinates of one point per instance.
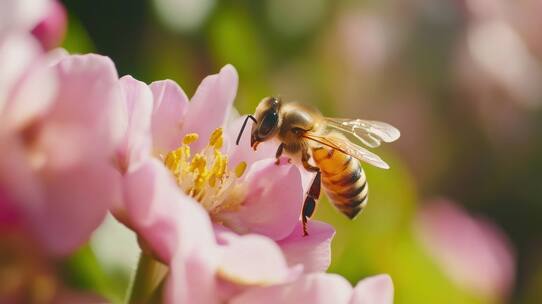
(149, 275)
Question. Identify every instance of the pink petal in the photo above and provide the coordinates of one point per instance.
(61, 176)
(176, 229)
(21, 15)
(27, 84)
(252, 260)
(10, 216)
(55, 56)
(316, 288)
(193, 270)
(152, 204)
(191, 280)
(141, 205)
(50, 31)
(32, 96)
(473, 252)
(17, 178)
(273, 203)
(373, 290)
(227, 290)
(69, 203)
(307, 179)
(136, 144)
(161, 213)
(77, 201)
(312, 251)
(170, 106)
(85, 121)
(222, 234)
(211, 105)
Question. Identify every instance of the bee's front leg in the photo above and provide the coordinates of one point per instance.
(310, 202)
(279, 153)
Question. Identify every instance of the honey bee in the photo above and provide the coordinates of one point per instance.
(305, 134)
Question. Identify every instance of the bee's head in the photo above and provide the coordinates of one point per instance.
(268, 120)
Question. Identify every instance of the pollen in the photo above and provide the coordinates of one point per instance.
(240, 169)
(205, 175)
(216, 139)
(190, 138)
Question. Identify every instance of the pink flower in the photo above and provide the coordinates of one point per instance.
(56, 139)
(473, 252)
(57, 133)
(266, 199)
(221, 229)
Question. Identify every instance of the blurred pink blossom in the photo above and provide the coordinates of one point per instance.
(57, 133)
(51, 29)
(57, 138)
(27, 274)
(497, 68)
(365, 41)
(499, 52)
(27, 82)
(473, 252)
(21, 15)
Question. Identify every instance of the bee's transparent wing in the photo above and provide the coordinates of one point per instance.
(369, 132)
(345, 146)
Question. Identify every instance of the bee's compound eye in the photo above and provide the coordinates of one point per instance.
(268, 123)
(297, 131)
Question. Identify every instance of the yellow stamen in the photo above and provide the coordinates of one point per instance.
(216, 139)
(206, 176)
(240, 169)
(190, 138)
(172, 161)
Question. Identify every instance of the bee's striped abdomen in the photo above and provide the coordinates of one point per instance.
(343, 179)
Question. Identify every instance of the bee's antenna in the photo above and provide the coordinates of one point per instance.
(243, 127)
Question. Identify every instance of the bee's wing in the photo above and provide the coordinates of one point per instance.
(371, 133)
(345, 146)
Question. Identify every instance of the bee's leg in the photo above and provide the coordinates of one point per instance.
(305, 156)
(310, 202)
(279, 153)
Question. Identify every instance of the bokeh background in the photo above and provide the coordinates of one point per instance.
(458, 218)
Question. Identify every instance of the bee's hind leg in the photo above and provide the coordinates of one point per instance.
(310, 202)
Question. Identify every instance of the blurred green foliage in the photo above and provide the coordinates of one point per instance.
(83, 271)
(448, 148)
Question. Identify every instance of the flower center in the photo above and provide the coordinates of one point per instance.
(205, 176)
